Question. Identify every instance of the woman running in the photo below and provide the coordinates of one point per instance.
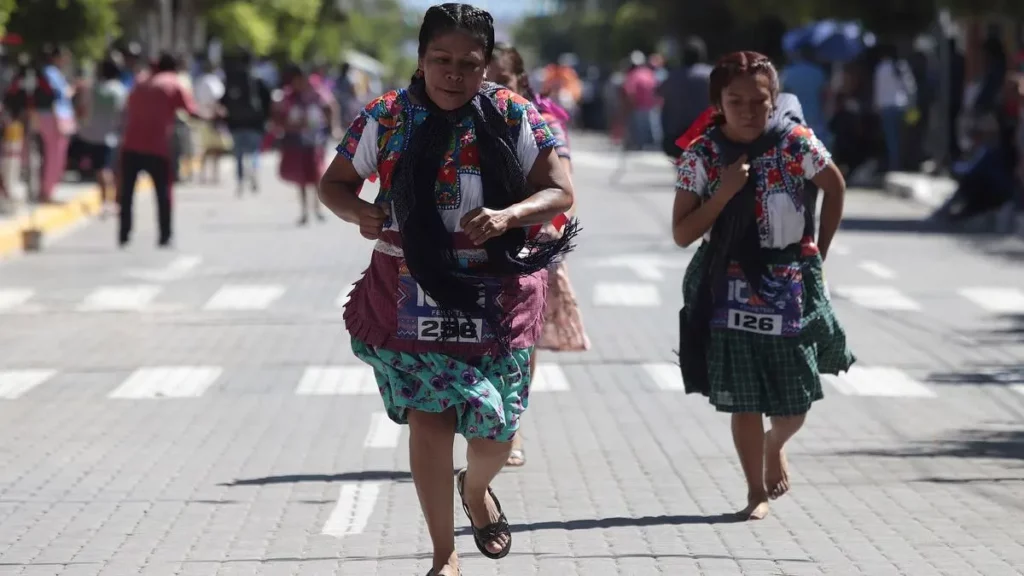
(757, 328)
(465, 168)
(563, 326)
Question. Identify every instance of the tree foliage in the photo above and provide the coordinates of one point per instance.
(85, 26)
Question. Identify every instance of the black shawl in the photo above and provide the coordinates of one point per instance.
(427, 243)
(735, 236)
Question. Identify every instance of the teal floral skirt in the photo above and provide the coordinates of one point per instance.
(488, 394)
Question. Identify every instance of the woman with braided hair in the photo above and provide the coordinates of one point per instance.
(563, 326)
(757, 328)
(451, 306)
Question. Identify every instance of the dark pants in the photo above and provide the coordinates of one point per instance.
(159, 170)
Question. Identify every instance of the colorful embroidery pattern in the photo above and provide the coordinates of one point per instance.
(396, 115)
(782, 170)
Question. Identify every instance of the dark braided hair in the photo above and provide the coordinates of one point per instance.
(427, 243)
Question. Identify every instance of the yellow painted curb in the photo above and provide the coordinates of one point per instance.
(51, 218)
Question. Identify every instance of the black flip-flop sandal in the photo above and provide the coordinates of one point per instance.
(491, 532)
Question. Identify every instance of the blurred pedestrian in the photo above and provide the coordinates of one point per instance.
(309, 116)
(150, 118)
(55, 118)
(247, 107)
(101, 130)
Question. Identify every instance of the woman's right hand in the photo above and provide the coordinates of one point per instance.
(370, 218)
(734, 177)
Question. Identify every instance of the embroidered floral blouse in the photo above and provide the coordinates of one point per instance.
(379, 136)
(780, 177)
(386, 308)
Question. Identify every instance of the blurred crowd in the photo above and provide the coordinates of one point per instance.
(73, 116)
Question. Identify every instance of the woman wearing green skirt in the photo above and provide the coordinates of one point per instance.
(757, 328)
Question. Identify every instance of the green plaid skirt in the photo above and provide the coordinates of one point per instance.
(773, 375)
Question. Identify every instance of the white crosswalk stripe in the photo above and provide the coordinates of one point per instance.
(120, 298)
(167, 382)
(343, 297)
(244, 297)
(666, 376)
(337, 380)
(15, 383)
(635, 295)
(878, 381)
(549, 378)
(383, 432)
(877, 269)
(875, 297)
(11, 298)
(996, 300)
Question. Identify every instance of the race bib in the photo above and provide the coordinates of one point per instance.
(740, 309)
(420, 319)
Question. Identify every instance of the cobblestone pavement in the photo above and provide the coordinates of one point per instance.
(199, 411)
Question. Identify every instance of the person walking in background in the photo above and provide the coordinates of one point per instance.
(806, 79)
(101, 129)
(56, 119)
(308, 116)
(563, 324)
(214, 139)
(684, 94)
(247, 107)
(150, 118)
(895, 93)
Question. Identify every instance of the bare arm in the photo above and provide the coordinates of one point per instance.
(832, 183)
(691, 219)
(339, 189)
(553, 196)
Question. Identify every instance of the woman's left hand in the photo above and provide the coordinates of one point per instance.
(483, 224)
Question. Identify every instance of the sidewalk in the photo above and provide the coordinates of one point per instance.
(935, 191)
(73, 202)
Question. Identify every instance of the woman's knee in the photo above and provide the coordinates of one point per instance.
(432, 425)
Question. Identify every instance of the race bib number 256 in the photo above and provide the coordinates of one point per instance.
(461, 330)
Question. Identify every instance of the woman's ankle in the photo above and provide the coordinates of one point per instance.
(445, 558)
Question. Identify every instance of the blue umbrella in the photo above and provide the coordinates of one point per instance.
(831, 41)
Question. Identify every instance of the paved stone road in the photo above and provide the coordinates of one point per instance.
(199, 411)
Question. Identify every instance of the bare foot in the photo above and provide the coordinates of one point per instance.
(487, 509)
(757, 509)
(776, 468)
(449, 569)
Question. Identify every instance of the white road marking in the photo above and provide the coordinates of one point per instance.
(383, 433)
(167, 382)
(645, 266)
(343, 297)
(665, 375)
(15, 383)
(549, 378)
(630, 295)
(240, 297)
(11, 298)
(996, 300)
(337, 380)
(120, 298)
(875, 297)
(872, 267)
(879, 381)
(176, 270)
(839, 250)
(1018, 388)
(356, 502)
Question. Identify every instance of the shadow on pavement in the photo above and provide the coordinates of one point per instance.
(904, 225)
(362, 476)
(618, 522)
(981, 444)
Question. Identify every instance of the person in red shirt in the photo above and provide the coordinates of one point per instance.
(149, 127)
